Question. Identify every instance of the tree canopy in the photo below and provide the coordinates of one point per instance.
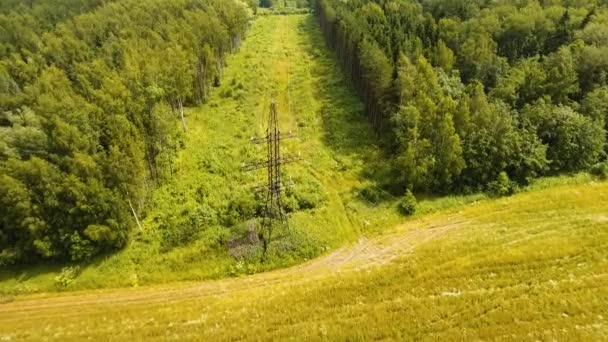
(466, 93)
(90, 94)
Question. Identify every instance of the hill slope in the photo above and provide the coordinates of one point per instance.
(528, 267)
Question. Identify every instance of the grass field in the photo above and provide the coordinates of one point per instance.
(529, 267)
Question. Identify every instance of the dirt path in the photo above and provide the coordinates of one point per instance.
(364, 254)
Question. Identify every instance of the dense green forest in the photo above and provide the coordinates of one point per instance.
(91, 93)
(477, 95)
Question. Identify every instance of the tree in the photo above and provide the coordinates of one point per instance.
(509, 57)
(562, 35)
(574, 142)
(444, 57)
(176, 78)
(494, 143)
(592, 65)
(561, 80)
(595, 104)
(377, 75)
(447, 149)
(524, 83)
(414, 159)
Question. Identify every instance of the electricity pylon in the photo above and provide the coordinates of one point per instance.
(274, 213)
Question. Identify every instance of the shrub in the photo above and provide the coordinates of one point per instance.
(244, 243)
(243, 207)
(372, 194)
(574, 142)
(600, 170)
(176, 232)
(308, 194)
(226, 93)
(67, 276)
(407, 204)
(290, 203)
(179, 231)
(502, 186)
(80, 249)
(308, 200)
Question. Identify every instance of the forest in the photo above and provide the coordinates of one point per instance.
(477, 95)
(91, 93)
(464, 97)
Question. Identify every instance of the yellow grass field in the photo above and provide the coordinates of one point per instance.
(529, 267)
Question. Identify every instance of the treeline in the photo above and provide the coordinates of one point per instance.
(470, 93)
(89, 106)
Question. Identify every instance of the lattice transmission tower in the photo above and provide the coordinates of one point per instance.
(274, 213)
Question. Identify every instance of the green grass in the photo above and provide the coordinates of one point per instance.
(529, 267)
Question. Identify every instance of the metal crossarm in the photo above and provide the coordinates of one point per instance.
(264, 163)
(262, 140)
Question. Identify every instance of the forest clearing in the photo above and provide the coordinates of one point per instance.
(506, 237)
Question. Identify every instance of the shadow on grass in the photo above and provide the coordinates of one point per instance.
(344, 122)
(23, 273)
(347, 131)
(26, 279)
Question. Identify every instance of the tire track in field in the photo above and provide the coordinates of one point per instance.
(366, 253)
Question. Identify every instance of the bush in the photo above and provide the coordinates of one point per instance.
(179, 231)
(306, 194)
(226, 93)
(574, 142)
(372, 194)
(308, 200)
(67, 276)
(290, 202)
(244, 242)
(600, 170)
(244, 206)
(502, 186)
(407, 205)
(80, 249)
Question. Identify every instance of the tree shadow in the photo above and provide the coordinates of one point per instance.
(22, 273)
(346, 129)
(25, 272)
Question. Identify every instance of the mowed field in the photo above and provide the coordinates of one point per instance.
(529, 267)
